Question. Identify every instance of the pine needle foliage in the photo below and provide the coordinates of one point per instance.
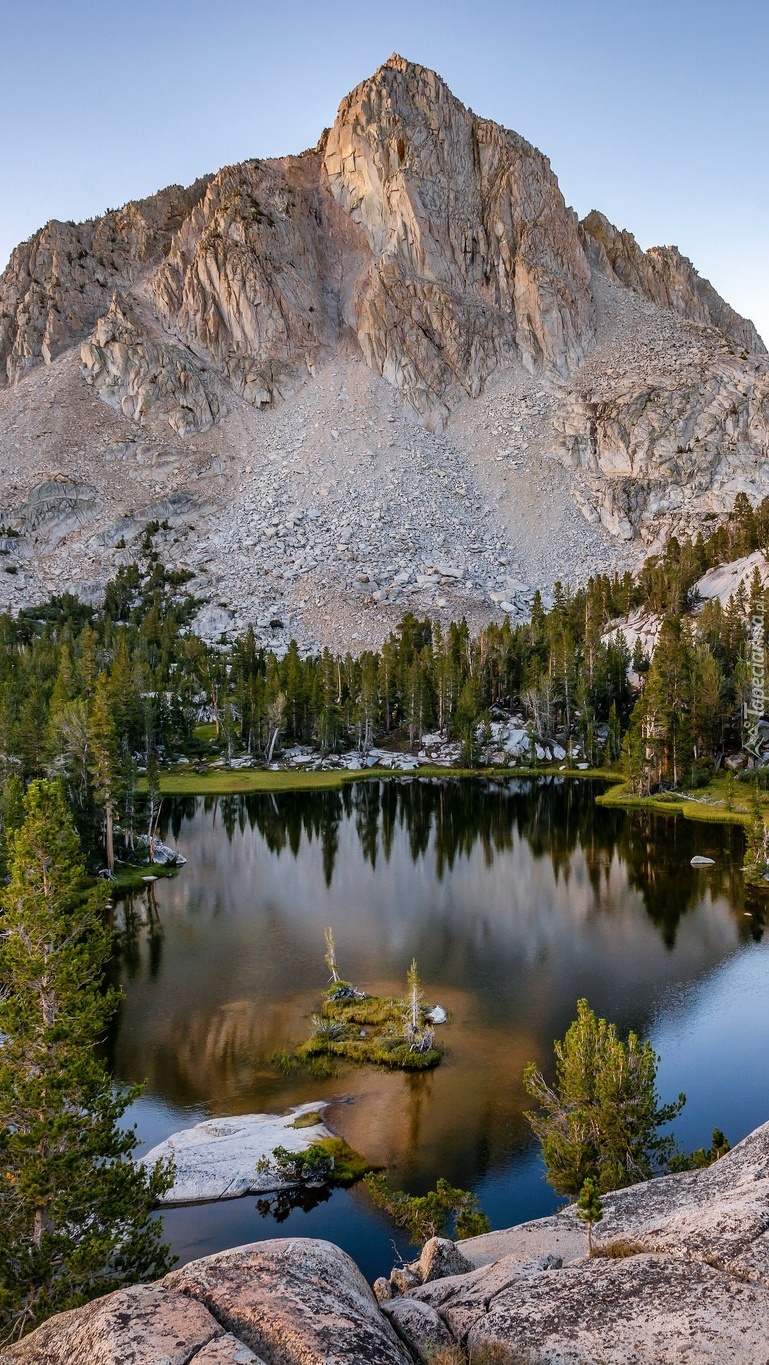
(600, 1119)
(423, 1216)
(589, 1209)
(74, 1209)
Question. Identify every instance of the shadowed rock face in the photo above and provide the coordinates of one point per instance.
(247, 280)
(135, 374)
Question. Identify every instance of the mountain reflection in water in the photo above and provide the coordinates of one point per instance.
(516, 898)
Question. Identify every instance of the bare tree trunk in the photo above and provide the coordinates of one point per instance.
(273, 742)
(110, 839)
(153, 831)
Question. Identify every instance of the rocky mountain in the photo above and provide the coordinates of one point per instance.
(394, 371)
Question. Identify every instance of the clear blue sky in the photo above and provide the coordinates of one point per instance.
(655, 112)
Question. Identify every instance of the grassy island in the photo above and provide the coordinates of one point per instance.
(370, 1029)
(375, 1030)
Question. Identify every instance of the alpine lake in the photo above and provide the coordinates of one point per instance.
(516, 897)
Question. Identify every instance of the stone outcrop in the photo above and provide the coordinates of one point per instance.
(135, 375)
(58, 283)
(52, 509)
(665, 277)
(294, 1302)
(681, 1273)
(146, 1323)
(220, 1158)
(247, 278)
(655, 444)
(285, 1302)
(476, 258)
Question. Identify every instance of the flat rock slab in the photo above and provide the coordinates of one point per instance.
(690, 1280)
(218, 1159)
(719, 1214)
(642, 1310)
(293, 1301)
(519, 1245)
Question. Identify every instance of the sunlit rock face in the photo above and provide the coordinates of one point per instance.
(413, 284)
(691, 1281)
(475, 257)
(59, 282)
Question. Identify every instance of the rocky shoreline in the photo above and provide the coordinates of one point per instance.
(682, 1273)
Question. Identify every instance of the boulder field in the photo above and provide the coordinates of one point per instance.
(681, 1274)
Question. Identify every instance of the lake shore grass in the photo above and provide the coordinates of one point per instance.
(716, 803)
(722, 800)
(132, 876)
(234, 781)
(368, 1030)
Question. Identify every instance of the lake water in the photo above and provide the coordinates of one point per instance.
(516, 898)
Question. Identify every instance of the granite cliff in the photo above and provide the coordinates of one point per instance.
(277, 359)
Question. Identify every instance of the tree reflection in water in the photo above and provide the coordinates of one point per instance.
(284, 1202)
(450, 817)
(516, 896)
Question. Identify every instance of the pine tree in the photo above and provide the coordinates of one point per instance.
(589, 1209)
(103, 762)
(74, 1209)
(600, 1119)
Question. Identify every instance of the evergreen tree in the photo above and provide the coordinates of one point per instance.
(74, 1209)
(427, 1215)
(600, 1119)
(103, 762)
(589, 1209)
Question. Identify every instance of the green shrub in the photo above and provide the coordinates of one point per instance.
(428, 1215)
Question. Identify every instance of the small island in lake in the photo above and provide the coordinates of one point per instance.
(375, 1029)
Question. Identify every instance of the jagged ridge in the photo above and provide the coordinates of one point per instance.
(435, 247)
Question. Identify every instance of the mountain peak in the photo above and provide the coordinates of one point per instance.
(421, 258)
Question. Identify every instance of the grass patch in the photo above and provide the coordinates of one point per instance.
(391, 1053)
(228, 781)
(289, 1063)
(365, 1029)
(130, 877)
(488, 1353)
(349, 1165)
(327, 1161)
(617, 1249)
(307, 1120)
(205, 731)
(712, 810)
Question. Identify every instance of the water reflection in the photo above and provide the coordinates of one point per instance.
(515, 897)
